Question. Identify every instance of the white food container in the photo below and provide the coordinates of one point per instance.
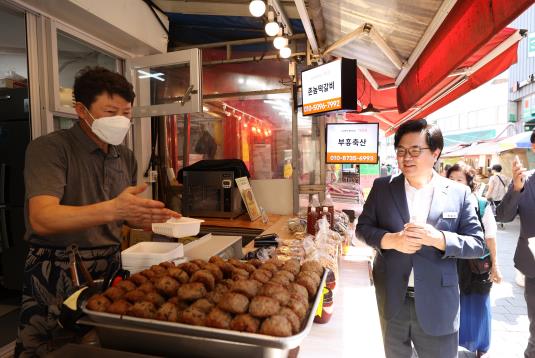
(148, 253)
(182, 227)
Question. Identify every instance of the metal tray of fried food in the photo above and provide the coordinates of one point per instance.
(169, 338)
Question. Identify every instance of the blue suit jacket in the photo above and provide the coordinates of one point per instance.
(435, 272)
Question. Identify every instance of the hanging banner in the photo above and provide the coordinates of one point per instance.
(330, 87)
(355, 143)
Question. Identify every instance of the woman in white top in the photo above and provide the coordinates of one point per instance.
(476, 276)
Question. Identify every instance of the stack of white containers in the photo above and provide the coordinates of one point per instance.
(145, 254)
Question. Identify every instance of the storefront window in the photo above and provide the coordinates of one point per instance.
(63, 122)
(73, 55)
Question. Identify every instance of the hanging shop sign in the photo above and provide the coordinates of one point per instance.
(531, 44)
(352, 143)
(330, 87)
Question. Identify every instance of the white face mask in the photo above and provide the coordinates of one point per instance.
(111, 130)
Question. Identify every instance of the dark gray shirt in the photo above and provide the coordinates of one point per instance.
(69, 165)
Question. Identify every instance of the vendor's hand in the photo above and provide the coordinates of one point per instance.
(495, 275)
(518, 175)
(427, 234)
(400, 242)
(142, 212)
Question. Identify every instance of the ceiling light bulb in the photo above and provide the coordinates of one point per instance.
(280, 42)
(285, 52)
(272, 27)
(257, 8)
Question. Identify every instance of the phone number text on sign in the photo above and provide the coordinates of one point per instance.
(352, 158)
(323, 106)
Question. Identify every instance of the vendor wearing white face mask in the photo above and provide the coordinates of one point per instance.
(80, 189)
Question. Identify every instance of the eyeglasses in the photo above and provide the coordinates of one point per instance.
(413, 151)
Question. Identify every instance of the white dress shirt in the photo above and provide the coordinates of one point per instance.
(419, 203)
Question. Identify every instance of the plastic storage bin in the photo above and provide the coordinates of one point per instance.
(146, 254)
(182, 227)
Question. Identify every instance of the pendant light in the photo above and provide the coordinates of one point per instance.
(257, 8)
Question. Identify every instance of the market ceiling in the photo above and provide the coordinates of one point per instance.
(413, 56)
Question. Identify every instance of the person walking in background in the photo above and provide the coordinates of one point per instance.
(476, 275)
(520, 199)
(419, 223)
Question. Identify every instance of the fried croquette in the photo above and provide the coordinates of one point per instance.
(138, 279)
(178, 274)
(155, 298)
(99, 303)
(147, 287)
(248, 288)
(135, 296)
(119, 307)
(126, 285)
(189, 267)
(245, 323)
(299, 308)
(114, 293)
(205, 277)
(218, 318)
(203, 305)
(263, 306)
(276, 325)
(167, 312)
(167, 286)
(275, 291)
(192, 316)
(308, 283)
(313, 266)
(292, 318)
(234, 303)
(261, 276)
(299, 290)
(292, 266)
(191, 291)
(142, 309)
(215, 271)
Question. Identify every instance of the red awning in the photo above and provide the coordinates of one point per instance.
(493, 58)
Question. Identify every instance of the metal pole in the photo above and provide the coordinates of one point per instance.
(295, 151)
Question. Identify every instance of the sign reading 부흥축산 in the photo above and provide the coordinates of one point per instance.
(355, 143)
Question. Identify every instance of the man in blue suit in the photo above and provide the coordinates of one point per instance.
(420, 224)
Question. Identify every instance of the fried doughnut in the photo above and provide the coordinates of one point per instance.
(275, 291)
(313, 266)
(191, 291)
(99, 303)
(135, 296)
(158, 270)
(215, 271)
(126, 285)
(192, 316)
(290, 276)
(234, 303)
(292, 266)
(167, 312)
(180, 305)
(205, 277)
(292, 318)
(167, 264)
(147, 287)
(269, 266)
(114, 293)
(155, 298)
(189, 267)
(238, 274)
(262, 276)
(178, 274)
(245, 323)
(199, 262)
(312, 275)
(308, 283)
(276, 262)
(167, 286)
(119, 307)
(248, 288)
(218, 292)
(263, 306)
(142, 309)
(298, 307)
(203, 305)
(225, 267)
(255, 262)
(281, 280)
(138, 279)
(218, 318)
(277, 325)
(299, 290)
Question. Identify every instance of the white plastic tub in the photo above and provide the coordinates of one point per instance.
(182, 227)
(148, 253)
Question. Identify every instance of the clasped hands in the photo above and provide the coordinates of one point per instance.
(413, 237)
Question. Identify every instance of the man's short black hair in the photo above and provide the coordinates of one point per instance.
(497, 168)
(533, 137)
(433, 134)
(91, 82)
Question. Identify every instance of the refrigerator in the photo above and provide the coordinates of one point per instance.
(14, 138)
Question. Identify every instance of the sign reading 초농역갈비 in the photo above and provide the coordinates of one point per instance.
(329, 87)
(355, 143)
